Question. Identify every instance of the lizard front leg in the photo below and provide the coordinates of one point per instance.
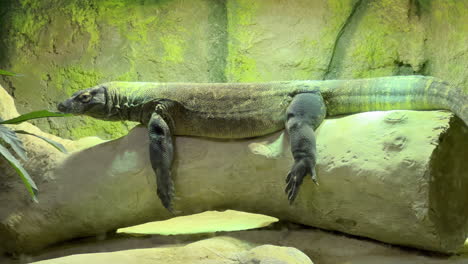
(304, 114)
(161, 152)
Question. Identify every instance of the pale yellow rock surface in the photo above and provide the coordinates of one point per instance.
(398, 177)
(206, 222)
(219, 250)
(7, 106)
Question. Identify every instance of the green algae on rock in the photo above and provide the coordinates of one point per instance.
(61, 47)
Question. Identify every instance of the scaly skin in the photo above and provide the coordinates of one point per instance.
(242, 110)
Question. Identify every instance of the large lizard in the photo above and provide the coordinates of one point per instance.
(244, 110)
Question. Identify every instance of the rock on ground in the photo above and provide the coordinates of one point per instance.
(320, 246)
(206, 222)
(218, 250)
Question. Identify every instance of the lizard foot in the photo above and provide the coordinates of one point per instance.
(296, 175)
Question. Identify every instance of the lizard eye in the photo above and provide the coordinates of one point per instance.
(85, 97)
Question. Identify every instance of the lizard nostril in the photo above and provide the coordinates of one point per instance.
(61, 107)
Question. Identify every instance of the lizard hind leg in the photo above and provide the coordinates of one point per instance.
(161, 152)
(304, 115)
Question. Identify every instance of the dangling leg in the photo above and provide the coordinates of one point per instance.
(161, 152)
(304, 114)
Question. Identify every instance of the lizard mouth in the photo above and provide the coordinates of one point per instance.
(62, 108)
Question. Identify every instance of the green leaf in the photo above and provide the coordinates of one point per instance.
(34, 115)
(2, 72)
(10, 138)
(28, 182)
(55, 144)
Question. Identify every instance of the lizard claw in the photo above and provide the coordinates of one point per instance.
(296, 175)
(314, 177)
(166, 200)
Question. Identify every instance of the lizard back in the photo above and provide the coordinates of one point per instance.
(219, 110)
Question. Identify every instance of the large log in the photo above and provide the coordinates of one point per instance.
(398, 177)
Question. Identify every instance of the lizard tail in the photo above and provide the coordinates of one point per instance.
(394, 93)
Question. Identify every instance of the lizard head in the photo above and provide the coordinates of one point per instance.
(91, 102)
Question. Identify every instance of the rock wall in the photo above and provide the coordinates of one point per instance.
(66, 45)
